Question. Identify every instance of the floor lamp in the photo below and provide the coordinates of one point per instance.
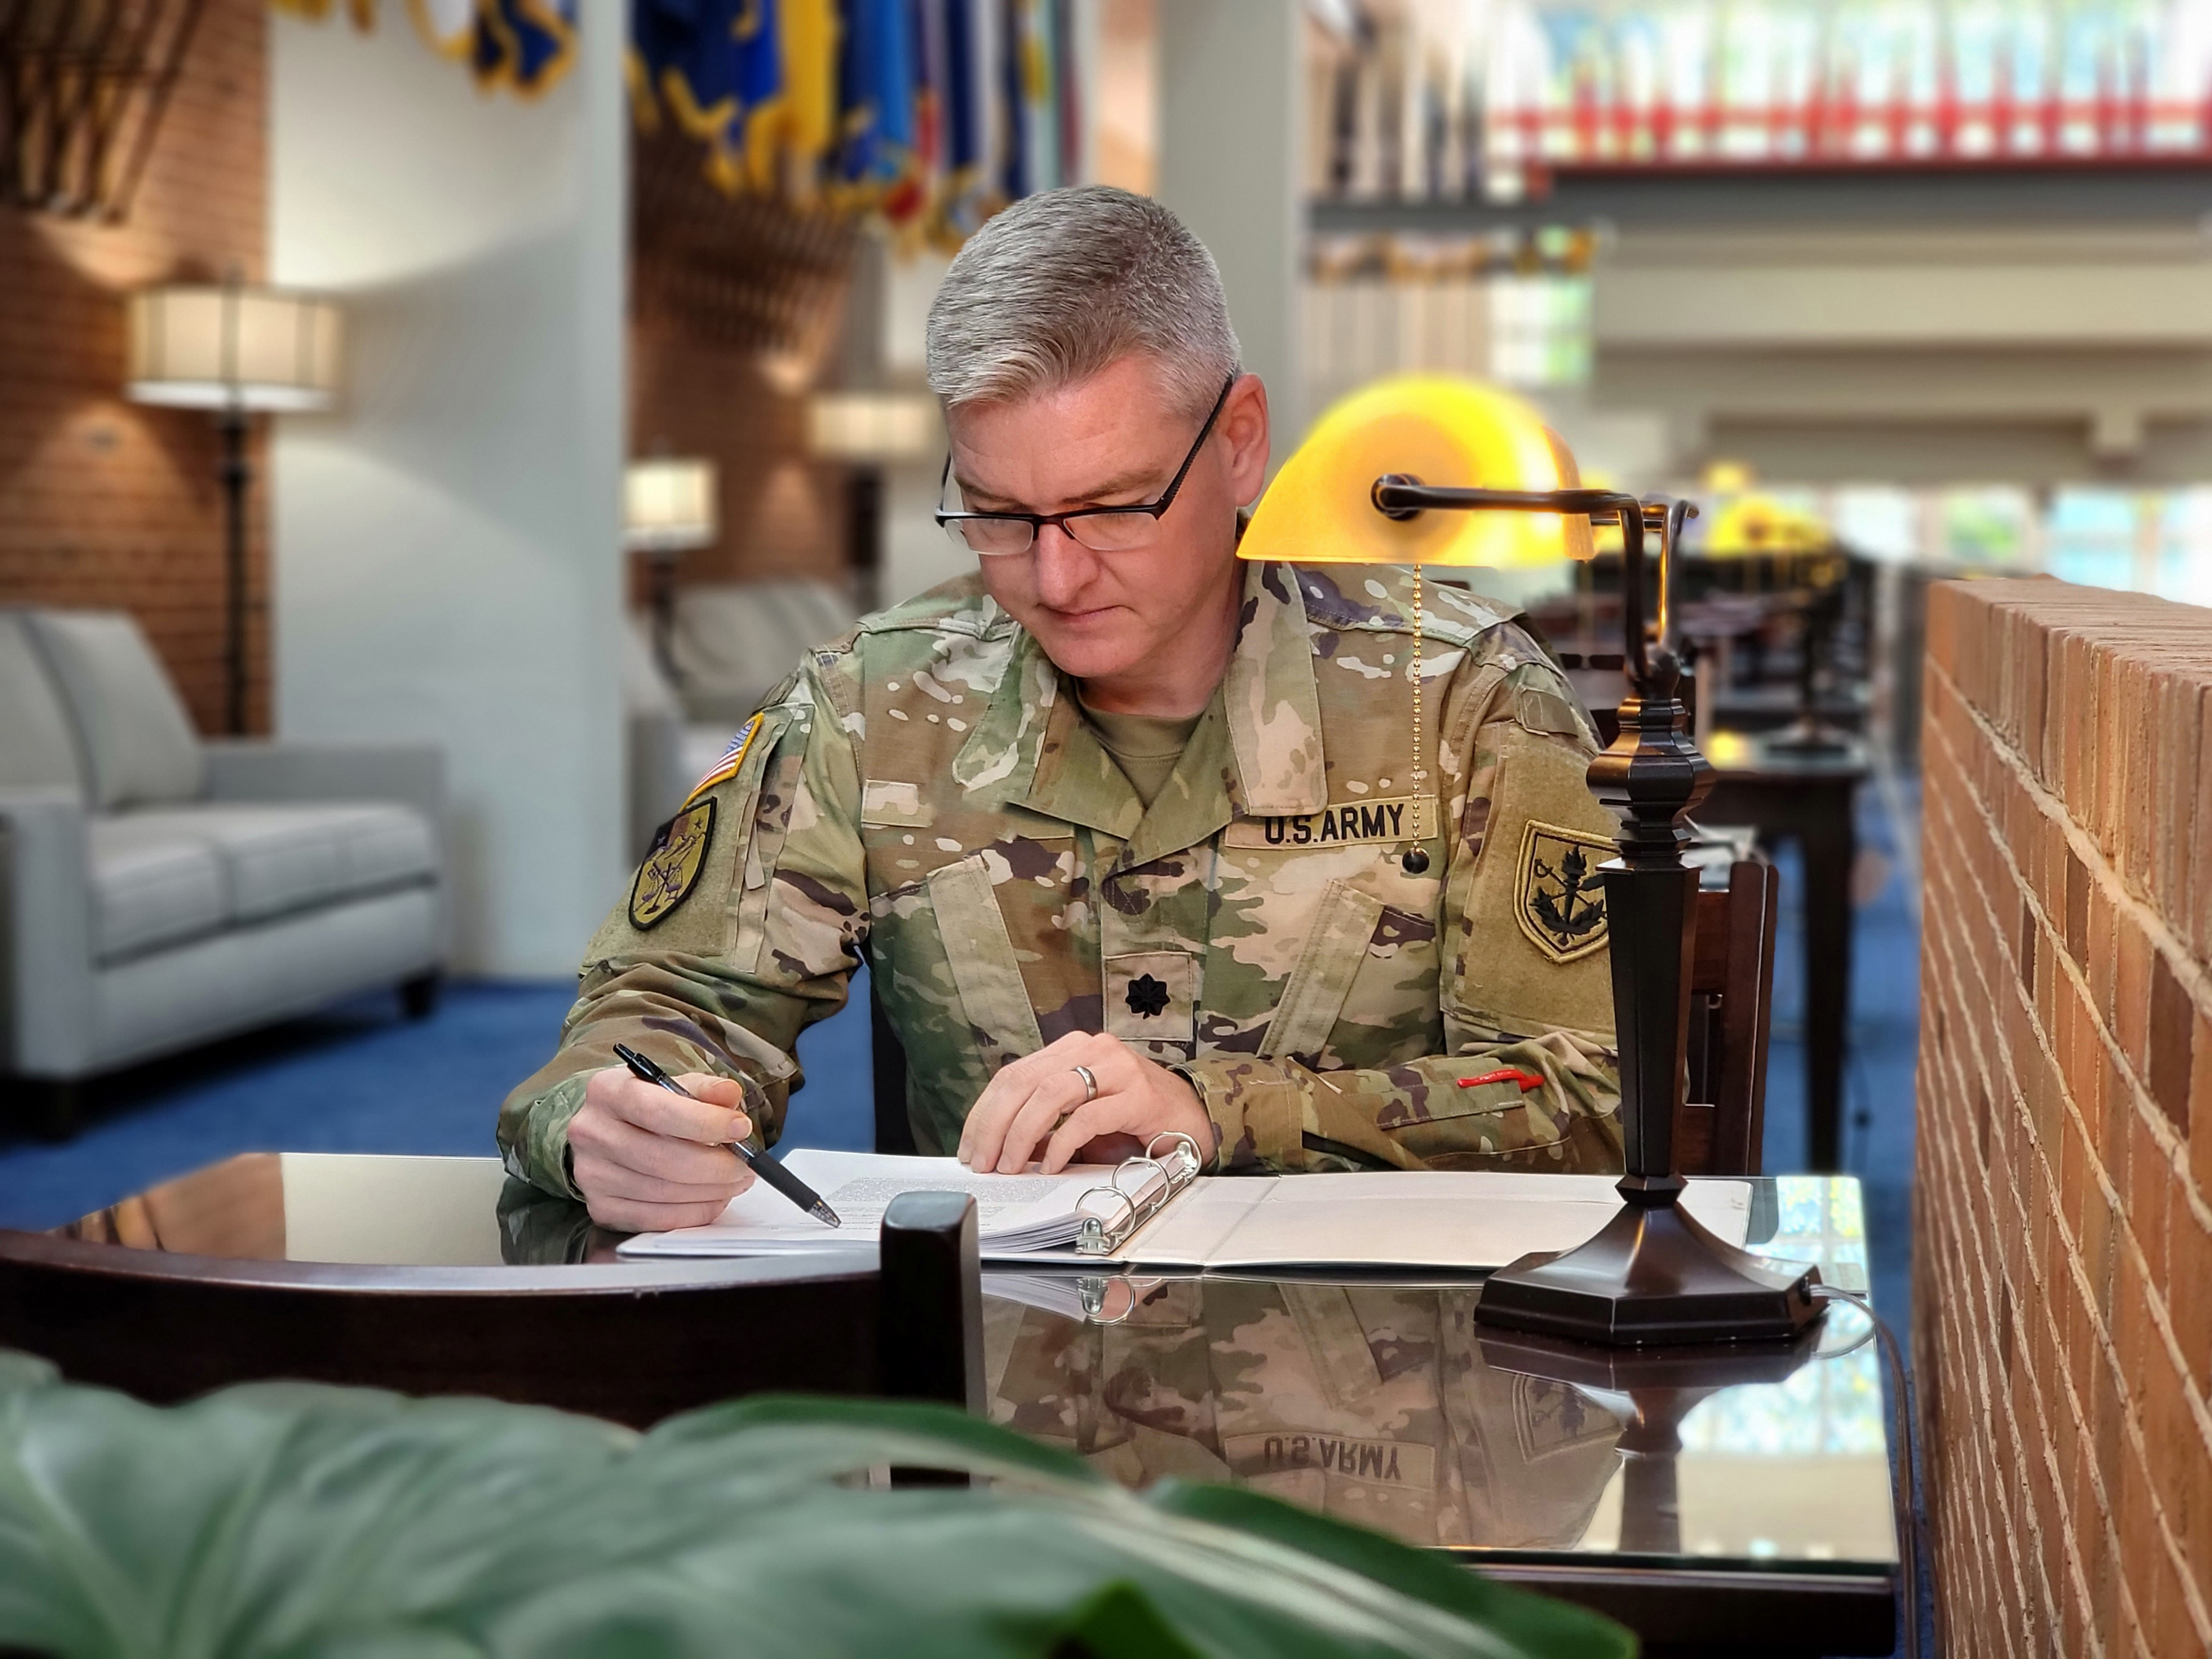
(238, 350)
(668, 508)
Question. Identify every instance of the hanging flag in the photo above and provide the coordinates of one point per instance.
(522, 44)
(808, 125)
(450, 26)
(875, 89)
(717, 67)
(921, 191)
(1066, 81)
(1016, 157)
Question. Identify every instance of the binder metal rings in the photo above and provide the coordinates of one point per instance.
(1161, 1179)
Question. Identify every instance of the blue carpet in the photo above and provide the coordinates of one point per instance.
(361, 1078)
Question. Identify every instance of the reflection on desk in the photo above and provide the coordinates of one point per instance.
(1738, 1509)
(1384, 1403)
(1377, 1401)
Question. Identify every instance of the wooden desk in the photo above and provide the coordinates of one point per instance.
(1714, 1512)
(439, 1275)
(1810, 800)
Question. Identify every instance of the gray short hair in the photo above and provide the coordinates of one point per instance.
(1066, 281)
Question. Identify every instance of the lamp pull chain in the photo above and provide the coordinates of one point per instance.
(1417, 860)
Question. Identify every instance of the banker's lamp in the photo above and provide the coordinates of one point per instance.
(668, 508)
(237, 350)
(1754, 526)
(1424, 470)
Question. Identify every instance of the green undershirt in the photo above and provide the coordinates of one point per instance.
(1146, 746)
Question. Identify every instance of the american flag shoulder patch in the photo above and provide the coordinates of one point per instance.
(732, 758)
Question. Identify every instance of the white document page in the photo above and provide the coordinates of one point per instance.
(1014, 1213)
(1409, 1219)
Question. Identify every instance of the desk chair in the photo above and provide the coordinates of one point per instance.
(632, 1342)
(1721, 1125)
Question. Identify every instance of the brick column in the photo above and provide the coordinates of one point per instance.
(107, 503)
(2062, 1265)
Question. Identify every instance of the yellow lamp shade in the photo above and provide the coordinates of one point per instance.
(1752, 524)
(1437, 430)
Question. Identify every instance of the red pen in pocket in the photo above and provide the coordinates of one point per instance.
(1528, 1080)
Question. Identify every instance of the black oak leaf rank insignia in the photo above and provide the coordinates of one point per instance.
(1558, 897)
(1147, 997)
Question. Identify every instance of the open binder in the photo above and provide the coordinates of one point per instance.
(1158, 1211)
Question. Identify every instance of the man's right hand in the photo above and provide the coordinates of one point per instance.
(647, 1160)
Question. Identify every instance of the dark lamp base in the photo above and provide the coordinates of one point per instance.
(1651, 1275)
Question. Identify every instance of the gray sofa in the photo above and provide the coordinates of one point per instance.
(157, 890)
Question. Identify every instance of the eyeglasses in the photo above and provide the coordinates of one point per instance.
(1101, 529)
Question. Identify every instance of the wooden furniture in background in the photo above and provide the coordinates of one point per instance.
(1721, 1125)
(1811, 799)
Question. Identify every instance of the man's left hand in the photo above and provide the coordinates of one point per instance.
(1014, 1120)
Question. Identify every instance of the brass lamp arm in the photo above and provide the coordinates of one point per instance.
(1397, 496)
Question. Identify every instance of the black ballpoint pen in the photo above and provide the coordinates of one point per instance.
(761, 1163)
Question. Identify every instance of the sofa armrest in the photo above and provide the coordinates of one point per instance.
(46, 934)
(265, 769)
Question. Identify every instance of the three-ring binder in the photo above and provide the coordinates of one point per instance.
(1102, 1229)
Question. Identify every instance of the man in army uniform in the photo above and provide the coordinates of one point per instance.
(1134, 837)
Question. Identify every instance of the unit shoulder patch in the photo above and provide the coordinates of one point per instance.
(672, 868)
(1559, 898)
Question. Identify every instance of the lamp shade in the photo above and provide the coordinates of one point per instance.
(668, 504)
(1437, 430)
(207, 345)
(878, 427)
(1754, 525)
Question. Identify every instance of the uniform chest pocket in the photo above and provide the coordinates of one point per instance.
(1363, 991)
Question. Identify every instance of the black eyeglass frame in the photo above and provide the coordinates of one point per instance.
(1036, 521)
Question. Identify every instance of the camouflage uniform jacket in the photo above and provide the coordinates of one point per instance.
(926, 791)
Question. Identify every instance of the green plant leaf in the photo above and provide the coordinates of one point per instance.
(282, 1520)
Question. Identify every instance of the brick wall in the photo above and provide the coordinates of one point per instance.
(103, 502)
(2062, 1267)
(736, 307)
(782, 513)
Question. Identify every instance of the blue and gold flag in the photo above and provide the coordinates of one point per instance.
(717, 66)
(522, 44)
(875, 85)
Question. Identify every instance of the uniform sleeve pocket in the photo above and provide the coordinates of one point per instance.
(1486, 1116)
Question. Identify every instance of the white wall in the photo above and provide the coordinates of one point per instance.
(1230, 74)
(446, 546)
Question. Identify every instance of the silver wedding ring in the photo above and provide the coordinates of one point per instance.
(1089, 1083)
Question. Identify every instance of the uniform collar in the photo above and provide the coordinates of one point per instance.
(1255, 750)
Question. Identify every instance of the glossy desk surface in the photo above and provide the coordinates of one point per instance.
(1379, 1400)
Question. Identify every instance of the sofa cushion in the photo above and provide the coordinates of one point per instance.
(283, 857)
(37, 749)
(154, 884)
(135, 732)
